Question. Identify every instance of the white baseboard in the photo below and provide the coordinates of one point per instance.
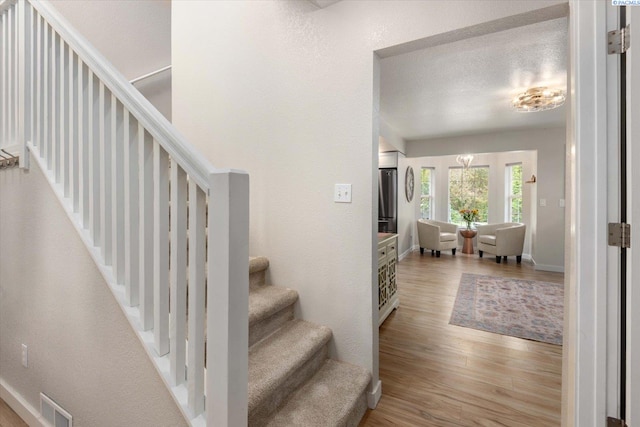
(373, 396)
(404, 254)
(24, 409)
(547, 267)
(553, 268)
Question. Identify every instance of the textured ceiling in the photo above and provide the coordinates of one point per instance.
(466, 87)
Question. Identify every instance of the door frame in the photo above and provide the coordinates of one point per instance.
(633, 205)
(584, 384)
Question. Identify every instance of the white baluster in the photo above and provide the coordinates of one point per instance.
(37, 140)
(94, 132)
(117, 190)
(74, 135)
(46, 112)
(197, 274)
(178, 287)
(161, 249)
(63, 113)
(131, 210)
(10, 77)
(83, 143)
(4, 109)
(105, 174)
(145, 159)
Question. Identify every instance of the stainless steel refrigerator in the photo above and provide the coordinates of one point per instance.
(387, 200)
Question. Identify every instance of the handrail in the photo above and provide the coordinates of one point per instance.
(151, 74)
(190, 159)
(6, 4)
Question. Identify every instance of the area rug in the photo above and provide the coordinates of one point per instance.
(516, 307)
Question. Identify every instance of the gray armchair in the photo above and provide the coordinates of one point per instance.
(437, 236)
(501, 240)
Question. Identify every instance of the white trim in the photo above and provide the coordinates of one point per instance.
(24, 409)
(547, 267)
(161, 363)
(151, 74)
(373, 396)
(584, 368)
(185, 154)
(406, 253)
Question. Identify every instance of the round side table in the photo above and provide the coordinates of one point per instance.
(467, 247)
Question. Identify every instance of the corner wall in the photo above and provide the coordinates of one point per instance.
(82, 350)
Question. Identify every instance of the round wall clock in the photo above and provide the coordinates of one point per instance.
(409, 183)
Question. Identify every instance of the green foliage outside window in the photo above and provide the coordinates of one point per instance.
(468, 189)
(426, 196)
(515, 211)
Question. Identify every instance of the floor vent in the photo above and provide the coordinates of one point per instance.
(53, 414)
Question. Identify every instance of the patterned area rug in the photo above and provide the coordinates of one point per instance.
(516, 307)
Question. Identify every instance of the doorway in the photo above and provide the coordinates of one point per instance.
(473, 390)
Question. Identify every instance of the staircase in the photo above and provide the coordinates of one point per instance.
(158, 219)
(291, 380)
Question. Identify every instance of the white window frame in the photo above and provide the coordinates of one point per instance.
(432, 173)
(508, 191)
(485, 166)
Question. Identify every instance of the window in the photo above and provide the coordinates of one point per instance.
(468, 189)
(426, 196)
(514, 193)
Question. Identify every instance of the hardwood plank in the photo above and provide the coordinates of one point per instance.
(437, 374)
(8, 418)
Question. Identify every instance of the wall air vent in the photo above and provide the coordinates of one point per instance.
(53, 415)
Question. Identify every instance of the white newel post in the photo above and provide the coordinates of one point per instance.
(228, 299)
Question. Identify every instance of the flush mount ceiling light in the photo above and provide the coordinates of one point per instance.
(538, 99)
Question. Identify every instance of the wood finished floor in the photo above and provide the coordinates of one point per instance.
(436, 374)
(8, 418)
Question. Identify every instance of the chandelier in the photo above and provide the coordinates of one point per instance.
(538, 99)
(464, 160)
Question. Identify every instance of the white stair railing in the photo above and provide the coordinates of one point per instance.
(138, 193)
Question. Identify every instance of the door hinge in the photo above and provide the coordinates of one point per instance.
(615, 422)
(620, 234)
(618, 41)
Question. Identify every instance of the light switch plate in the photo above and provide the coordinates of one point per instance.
(25, 356)
(342, 193)
(543, 202)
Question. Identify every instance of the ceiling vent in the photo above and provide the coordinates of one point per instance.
(53, 414)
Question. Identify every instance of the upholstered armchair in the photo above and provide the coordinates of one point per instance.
(437, 236)
(501, 240)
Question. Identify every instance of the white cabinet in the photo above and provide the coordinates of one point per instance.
(387, 281)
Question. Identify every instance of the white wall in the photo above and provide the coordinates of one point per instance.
(389, 138)
(547, 238)
(82, 350)
(285, 91)
(135, 36)
(406, 210)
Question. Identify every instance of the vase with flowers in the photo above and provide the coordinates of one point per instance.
(469, 216)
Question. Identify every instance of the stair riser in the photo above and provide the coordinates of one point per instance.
(259, 415)
(357, 412)
(266, 327)
(258, 278)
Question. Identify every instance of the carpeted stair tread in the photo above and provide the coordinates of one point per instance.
(327, 399)
(257, 264)
(267, 300)
(283, 353)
